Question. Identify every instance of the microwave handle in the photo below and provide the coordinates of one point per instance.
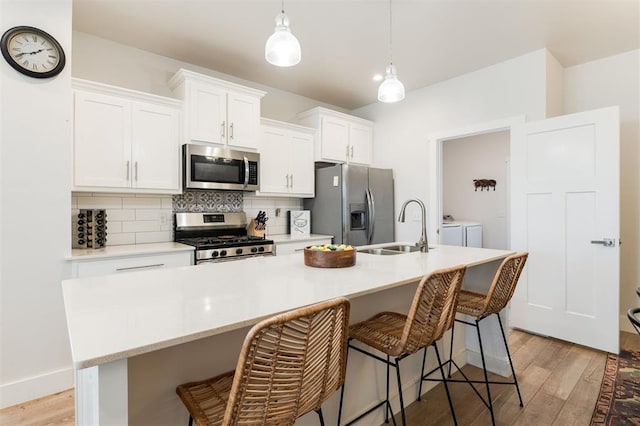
(246, 171)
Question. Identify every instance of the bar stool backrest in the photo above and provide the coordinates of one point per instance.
(289, 365)
(504, 284)
(433, 309)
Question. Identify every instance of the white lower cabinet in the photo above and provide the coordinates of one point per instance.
(286, 160)
(125, 140)
(115, 265)
(294, 246)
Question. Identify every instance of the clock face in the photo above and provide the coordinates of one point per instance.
(32, 52)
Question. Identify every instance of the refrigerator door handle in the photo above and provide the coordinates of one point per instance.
(371, 217)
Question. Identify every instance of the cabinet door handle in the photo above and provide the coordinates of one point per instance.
(135, 166)
(291, 180)
(231, 130)
(352, 152)
(222, 127)
(347, 151)
(128, 168)
(134, 268)
(287, 176)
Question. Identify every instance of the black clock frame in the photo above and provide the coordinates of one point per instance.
(4, 42)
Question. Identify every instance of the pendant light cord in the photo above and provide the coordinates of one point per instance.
(390, 33)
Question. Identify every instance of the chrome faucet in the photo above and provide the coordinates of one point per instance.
(422, 243)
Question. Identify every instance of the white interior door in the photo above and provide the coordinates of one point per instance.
(565, 206)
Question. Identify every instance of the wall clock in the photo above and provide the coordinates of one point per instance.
(32, 52)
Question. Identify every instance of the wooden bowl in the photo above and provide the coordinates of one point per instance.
(329, 259)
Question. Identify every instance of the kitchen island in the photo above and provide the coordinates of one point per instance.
(135, 336)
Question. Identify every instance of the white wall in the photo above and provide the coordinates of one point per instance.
(35, 193)
(482, 156)
(112, 63)
(508, 89)
(616, 81)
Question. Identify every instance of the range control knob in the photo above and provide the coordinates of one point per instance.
(261, 249)
(254, 249)
(223, 253)
(239, 251)
(214, 254)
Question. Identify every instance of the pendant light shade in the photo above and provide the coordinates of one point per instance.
(282, 48)
(391, 89)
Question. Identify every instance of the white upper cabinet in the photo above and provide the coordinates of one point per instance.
(339, 138)
(217, 111)
(125, 140)
(286, 160)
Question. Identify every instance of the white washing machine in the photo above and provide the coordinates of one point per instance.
(461, 233)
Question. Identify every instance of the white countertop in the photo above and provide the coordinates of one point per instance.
(127, 250)
(118, 316)
(289, 238)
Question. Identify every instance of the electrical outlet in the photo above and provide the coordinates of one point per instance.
(165, 218)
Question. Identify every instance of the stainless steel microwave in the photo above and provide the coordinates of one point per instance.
(208, 167)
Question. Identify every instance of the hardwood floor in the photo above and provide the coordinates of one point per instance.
(559, 382)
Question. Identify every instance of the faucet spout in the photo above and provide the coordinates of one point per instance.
(422, 243)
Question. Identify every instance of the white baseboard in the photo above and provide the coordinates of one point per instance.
(35, 387)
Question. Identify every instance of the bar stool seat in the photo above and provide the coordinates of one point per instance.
(398, 335)
(288, 366)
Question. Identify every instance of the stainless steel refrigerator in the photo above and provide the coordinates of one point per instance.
(354, 204)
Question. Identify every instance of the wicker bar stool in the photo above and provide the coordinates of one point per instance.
(288, 366)
(397, 335)
(634, 315)
(482, 306)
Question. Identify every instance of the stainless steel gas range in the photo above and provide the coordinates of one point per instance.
(219, 237)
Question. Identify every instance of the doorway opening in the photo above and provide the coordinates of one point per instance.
(465, 212)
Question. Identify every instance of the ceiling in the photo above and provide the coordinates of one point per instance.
(345, 42)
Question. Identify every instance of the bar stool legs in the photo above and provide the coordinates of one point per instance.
(488, 402)
(443, 380)
(387, 404)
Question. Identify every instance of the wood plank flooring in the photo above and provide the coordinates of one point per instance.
(559, 382)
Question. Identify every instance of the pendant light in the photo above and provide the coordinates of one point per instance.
(282, 48)
(391, 89)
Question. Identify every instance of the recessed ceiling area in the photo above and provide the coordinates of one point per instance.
(345, 43)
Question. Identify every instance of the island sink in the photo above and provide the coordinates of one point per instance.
(392, 248)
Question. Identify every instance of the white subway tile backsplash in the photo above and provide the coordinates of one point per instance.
(167, 203)
(88, 202)
(120, 214)
(152, 214)
(120, 239)
(153, 237)
(148, 218)
(142, 203)
(141, 226)
(113, 227)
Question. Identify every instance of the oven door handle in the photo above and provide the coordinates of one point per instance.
(246, 171)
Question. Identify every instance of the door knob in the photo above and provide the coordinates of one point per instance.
(607, 242)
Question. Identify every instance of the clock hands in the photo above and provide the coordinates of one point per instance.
(19, 55)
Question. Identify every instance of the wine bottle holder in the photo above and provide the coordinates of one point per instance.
(89, 229)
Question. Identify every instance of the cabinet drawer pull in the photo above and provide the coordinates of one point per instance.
(133, 268)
